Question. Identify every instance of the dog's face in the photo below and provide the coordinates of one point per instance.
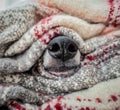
(61, 58)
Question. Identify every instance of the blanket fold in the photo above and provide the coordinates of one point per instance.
(105, 11)
(91, 99)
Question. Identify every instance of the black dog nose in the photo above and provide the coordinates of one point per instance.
(62, 48)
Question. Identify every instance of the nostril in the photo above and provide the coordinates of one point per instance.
(62, 48)
(72, 48)
(54, 47)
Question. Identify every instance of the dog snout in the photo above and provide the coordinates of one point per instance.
(62, 48)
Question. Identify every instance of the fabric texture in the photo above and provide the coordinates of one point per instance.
(92, 99)
(23, 40)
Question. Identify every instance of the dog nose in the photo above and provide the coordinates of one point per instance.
(62, 48)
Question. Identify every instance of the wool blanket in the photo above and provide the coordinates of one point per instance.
(24, 38)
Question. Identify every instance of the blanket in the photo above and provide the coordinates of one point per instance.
(24, 39)
(91, 99)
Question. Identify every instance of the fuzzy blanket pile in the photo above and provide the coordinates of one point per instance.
(25, 32)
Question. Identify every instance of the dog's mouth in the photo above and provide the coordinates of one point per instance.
(62, 71)
(51, 67)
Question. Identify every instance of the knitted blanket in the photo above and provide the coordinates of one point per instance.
(91, 99)
(26, 85)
